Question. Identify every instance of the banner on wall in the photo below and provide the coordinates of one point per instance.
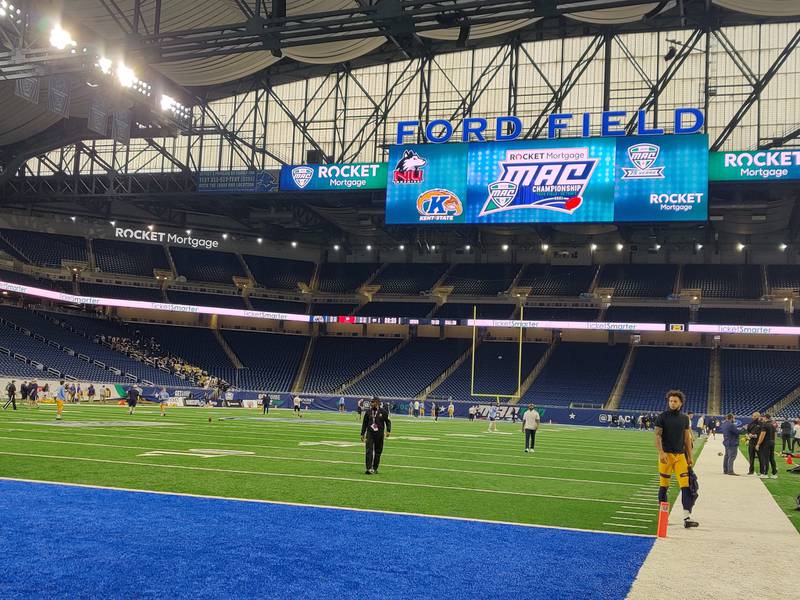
(575, 180)
(761, 165)
(333, 177)
(237, 181)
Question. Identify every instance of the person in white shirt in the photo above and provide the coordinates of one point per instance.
(296, 403)
(530, 423)
(701, 424)
(416, 408)
(796, 432)
(492, 419)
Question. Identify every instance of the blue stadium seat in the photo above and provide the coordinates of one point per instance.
(198, 299)
(560, 313)
(756, 379)
(496, 370)
(642, 281)
(129, 258)
(471, 279)
(656, 370)
(647, 314)
(456, 310)
(409, 278)
(205, 265)
(343, 278)
(279, 273)
(126, 292)
(784, 277)
(577, 372)
(46, 249)
(738, 316)
(284, 306)
(271, 360)
(412, 369)
(724, 281)
(336, 360)
(396, 309)
(39, 282)
(557, 280)
(332, 308)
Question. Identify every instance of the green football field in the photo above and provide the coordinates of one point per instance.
(590, 478)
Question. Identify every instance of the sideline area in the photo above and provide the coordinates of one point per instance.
(745, 544)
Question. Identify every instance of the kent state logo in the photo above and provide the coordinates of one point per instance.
(409, 168)
(438, 205)
(642, 156)
(302, 176)
(551, 179)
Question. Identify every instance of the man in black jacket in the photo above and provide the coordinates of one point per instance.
(765, 446)
(375, 426)
(752, 431)
(11, 390)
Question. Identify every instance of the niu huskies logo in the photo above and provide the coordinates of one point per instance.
(409, 168)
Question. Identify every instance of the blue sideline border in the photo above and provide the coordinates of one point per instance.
(62, 541)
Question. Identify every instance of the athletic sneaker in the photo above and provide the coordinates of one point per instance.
(526, 450)
(367, 472)
(688, 523)
(773, 476)
(761, 476)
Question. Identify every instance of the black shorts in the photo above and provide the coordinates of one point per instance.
(131, 402)
(297, 408)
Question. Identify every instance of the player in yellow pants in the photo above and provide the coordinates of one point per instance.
(674, 444)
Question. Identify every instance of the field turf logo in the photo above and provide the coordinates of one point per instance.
(438, 205)
(409, 168)
(642, 156)
(553, 179)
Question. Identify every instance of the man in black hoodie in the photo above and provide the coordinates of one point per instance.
(375, 426)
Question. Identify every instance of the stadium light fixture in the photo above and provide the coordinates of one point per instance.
(545, 247)
(125, 75)
(786, 299)
(671, 53)
(260, 240)
(467, 247)
(59, 38)
(224, 236)
(294, 244)
(73, 219)
(505, 247)
(113, 223)
(402, 247)
(104, 64)
(620, 247)
(336, 247)
(433, 248)
(369, 247)
(698, 247)
(150, 227)
(188, 232)
(740, 246)
(593, 247)
(657, 247)
(783, 247)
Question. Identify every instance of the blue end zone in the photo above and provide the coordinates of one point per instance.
(72, 542)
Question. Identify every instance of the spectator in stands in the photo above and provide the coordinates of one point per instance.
(730, 439)
(674, 442)
(787, 435)
(11, 392)
(492, 419)
(751, 433)
(374, 428)
(530, 423)
(765, 446)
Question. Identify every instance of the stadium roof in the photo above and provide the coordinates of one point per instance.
(199, 46)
